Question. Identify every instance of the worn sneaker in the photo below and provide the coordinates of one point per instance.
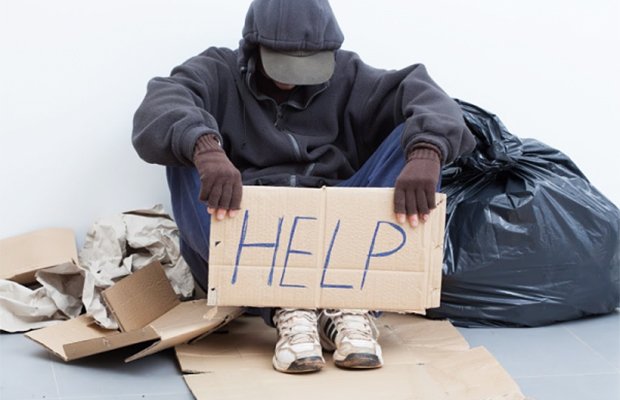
(298, 349)
(353, 335)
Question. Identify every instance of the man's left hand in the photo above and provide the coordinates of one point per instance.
(414, 192)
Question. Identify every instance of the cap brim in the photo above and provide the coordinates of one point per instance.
(311, 69)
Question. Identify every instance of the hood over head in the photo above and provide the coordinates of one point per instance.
(297, 39)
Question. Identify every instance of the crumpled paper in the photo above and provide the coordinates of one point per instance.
(22, 308)
(114, 247)
(118, 245)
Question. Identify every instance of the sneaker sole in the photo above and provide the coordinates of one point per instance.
(360, 361)
(303, 365)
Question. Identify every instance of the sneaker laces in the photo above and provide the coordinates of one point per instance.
(299, 326)
(354, 324)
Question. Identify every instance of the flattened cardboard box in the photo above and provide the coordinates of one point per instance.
(147, 310)
(424, 360)
(325, 248)
(21, 256)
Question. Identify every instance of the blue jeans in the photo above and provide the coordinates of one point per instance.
(380, 170)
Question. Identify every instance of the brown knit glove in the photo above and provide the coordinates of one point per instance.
(220, 180)
(416, 185)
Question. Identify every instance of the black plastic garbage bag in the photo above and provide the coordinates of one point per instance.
(528, 240)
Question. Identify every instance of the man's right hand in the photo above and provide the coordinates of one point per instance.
(220, 181)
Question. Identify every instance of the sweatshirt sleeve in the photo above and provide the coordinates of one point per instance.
(177, 110)
(411, 97)
(431, 116)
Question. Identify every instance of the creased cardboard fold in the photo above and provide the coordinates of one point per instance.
(25, 254)
(147, 308)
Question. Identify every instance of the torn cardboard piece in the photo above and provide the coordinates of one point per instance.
(115, 247)
(424, 359)
(118, 245)
(325, 248)
(47, 257)
(25, 254)
(140, 298)
(147, 309)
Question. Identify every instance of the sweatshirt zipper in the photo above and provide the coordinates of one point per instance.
(295, 146)
(309, 169)
(296, 149)
(304, 106)
(292, 180)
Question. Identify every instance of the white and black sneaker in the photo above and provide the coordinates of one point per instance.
(352, 335)
(298, 349)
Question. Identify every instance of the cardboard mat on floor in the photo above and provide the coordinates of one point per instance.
(424, 359)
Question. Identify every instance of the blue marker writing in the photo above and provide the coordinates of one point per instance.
(290, 251)
(384, 253)
(243, 244)
(327, 259)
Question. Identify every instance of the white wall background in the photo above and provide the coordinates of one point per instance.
(72, 72)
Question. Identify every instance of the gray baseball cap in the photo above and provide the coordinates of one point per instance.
(298, 67)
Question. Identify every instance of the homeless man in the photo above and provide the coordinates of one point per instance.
(290, 108)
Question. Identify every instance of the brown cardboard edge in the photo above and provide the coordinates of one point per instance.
(140, 298)
(64, 238)
(199, 322)
(436, 255)
(168, 320)
(235, 313)
(116, 340)
(45, 336)
(82, 337)
(96, 340)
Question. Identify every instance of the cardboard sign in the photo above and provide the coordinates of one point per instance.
(325, 248)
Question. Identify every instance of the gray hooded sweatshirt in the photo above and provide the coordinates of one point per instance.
(320, 135)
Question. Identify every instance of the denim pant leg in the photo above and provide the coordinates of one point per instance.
(194, 224)
(383, 166)
(192, 219)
